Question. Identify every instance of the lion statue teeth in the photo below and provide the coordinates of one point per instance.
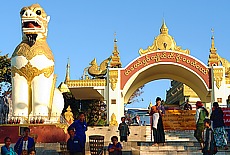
(33, 79)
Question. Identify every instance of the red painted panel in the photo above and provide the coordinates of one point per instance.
(45, 133)
(226, 116)
(165, 56)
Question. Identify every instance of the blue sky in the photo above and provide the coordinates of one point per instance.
(83, 30)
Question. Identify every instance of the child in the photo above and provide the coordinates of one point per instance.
(208, 136)
(115, 148)
(123, 130)
(73, 145)
(32, 152)
(80, 127)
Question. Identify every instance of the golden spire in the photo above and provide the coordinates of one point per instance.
(213, 49)
(164, 29)
(115, 51)
(213, 59)
(67, 76)
(115, 62)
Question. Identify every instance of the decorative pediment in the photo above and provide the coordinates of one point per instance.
(163, 42)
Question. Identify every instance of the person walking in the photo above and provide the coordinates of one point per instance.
(201, 114)
(209, 141)
(80, 127)
(6, 149)
(25, 143)
(217, 117)
(157, 112)
(123, 130)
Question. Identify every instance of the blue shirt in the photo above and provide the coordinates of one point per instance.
(19, 144)
(80, 129)
(74, 145)
(118, 145)
(6, 151)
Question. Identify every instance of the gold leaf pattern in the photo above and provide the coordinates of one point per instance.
(218, 76)
(87, 82)
(113, 76)
(29, 72)
(39, 48)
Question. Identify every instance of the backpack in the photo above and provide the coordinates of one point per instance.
(202, 116)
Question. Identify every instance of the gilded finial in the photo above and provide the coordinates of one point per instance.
(115, 40)
(115, 62)
(115, 43)
(212, 49)
(164, 29)
(67, 77)
(213, 59)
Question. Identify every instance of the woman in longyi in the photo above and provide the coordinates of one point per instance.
(157, 111)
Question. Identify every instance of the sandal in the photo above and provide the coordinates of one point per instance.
(155, 144)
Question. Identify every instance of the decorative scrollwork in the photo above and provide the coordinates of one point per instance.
(29, 72)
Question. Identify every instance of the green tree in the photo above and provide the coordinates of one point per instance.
(5, 75)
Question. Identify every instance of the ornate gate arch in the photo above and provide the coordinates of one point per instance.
(165, 60)
(162, 60)
(166, 65)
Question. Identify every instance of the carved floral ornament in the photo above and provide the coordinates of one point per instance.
(218, 76)
(113, 76)
(162, 56)
(164, 41)
(29, 72)
(39, 48)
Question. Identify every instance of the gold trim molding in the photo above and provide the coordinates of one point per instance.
(52, 94)
(85, 83)
(218, 76)
(113, 76)
(29, 72)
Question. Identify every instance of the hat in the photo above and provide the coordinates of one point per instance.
(199, 104)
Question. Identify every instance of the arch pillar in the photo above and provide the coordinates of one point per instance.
(221, 89)
(115, 99)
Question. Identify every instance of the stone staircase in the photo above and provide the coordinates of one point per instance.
(172, 148)
(177, 143)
